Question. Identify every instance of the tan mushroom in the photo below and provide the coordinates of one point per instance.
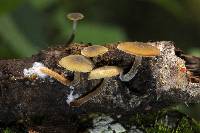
(99, 73)
(140, 50)
(94, 50)
(75, 17)
(55, 75)
(76, 63)
(104, 72)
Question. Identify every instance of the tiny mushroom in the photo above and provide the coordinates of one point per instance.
(94, 50)
(75, 17)
(78, 64)
(38, 70)
(55, 75)
(140, 50)
(98, 73)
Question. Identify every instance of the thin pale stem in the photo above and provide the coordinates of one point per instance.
(55, 75)
(74, 26)
(72, 35)
(133, 71)
(78, 102)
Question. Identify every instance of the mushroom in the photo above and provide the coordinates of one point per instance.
(103, 73)
(94, 50)
(75, 17)
(55, 75)
(78, 64)
(38, 70)
(140, 50)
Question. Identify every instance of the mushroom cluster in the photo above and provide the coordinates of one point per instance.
(83, 64)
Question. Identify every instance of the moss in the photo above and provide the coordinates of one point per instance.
(158, 128)
(144, 119)
(164, 121)
(7, 130)
(188, 126)
(183, 126)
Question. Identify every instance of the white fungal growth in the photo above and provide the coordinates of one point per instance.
(35, 70)
(71, 97)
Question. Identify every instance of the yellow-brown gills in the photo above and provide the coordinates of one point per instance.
(104, 72)
(94, 50)
(76, 63)
(139, 49)
(75, 16)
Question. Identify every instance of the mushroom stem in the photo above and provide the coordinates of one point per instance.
(133, 71)
(70, 38)
(77, 78)
(74, 26)
(55, 75)
(96, 91)
(72, 35)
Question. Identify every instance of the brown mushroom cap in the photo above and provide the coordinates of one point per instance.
(104, 72)
(94, 50)
(139, 49)
(76, 63)
(75, 16)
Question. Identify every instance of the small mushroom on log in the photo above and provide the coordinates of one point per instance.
(104, 73)
(75, 17)
(93, 51)
(78, 64)
(55, 75)
(139, 50)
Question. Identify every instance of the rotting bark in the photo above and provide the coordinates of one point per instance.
(158, 83)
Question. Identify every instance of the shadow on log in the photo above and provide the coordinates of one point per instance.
(158, 83)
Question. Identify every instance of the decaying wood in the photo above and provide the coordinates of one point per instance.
(158, 83)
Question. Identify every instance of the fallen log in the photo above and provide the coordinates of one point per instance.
(160, 82)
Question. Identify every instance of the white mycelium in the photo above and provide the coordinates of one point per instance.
(71, 97)
(35, 70)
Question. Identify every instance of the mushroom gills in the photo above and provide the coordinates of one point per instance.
(78, 102)
(133, 71)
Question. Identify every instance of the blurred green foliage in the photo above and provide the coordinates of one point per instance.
(28, 26)
(7, 130)
(9, 5)
(32, 25)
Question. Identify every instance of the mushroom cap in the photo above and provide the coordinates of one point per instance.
(104, 72)
(139, 49)
(76, 63)
(94, 50)
(75, 16)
